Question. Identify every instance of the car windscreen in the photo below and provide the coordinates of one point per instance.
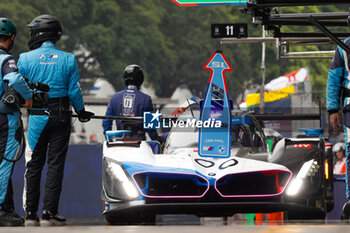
(242, 135)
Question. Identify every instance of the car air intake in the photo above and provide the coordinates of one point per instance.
(171, 185)
(253, 184)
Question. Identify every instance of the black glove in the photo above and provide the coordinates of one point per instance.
(84, 116)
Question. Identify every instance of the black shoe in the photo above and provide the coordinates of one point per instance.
(346, 209)
(32, 220)
(10, 219)
(50, 219)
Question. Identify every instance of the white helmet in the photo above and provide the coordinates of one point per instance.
(338, 147)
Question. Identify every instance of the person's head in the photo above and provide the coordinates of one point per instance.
(339, 150)
(133, 75)
(7, 33)
(43, 28)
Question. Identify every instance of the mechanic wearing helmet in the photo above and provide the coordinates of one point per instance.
(339, 166)
(10, 126)
(49, 128)
(339, 74)
(130, 102)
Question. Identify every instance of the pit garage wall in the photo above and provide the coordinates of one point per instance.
(81, 195)
(339, 200)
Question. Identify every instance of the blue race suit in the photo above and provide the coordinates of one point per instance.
(130, 102)
(10, 126)
(338, 74)
(49, 128)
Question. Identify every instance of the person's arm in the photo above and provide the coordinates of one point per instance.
(21, 65)
(107, 124)
(334, 82)
(74, 93)
(15, 79)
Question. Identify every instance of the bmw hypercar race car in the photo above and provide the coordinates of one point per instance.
(139, 183)
(232, 167)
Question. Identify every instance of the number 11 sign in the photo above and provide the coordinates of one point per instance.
(229, 30)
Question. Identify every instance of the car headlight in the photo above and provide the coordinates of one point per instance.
(116, 182)
(297, 183)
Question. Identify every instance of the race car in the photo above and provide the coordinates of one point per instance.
(235, 167)
(138, 183)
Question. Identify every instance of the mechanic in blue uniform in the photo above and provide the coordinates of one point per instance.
(49, 128)
(130, 102)
(11, 130)
(339, 80)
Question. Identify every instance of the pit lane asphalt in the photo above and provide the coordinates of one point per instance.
(211, 226)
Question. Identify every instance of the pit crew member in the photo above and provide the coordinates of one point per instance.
(49, 128)
(338, 78)
(11, 129)
(130, 102)
(340, 164)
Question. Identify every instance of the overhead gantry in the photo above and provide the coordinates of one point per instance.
(267, 13)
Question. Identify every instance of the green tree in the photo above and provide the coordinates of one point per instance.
(171, 43)
(21, 15)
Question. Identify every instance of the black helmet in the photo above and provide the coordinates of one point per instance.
(133, 75)
(42, 28)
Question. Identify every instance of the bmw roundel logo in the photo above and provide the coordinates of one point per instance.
(221, 149)
(211, 174)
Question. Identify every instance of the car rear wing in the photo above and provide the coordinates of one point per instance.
(289, 116)
(277, 117)
(309, 132)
